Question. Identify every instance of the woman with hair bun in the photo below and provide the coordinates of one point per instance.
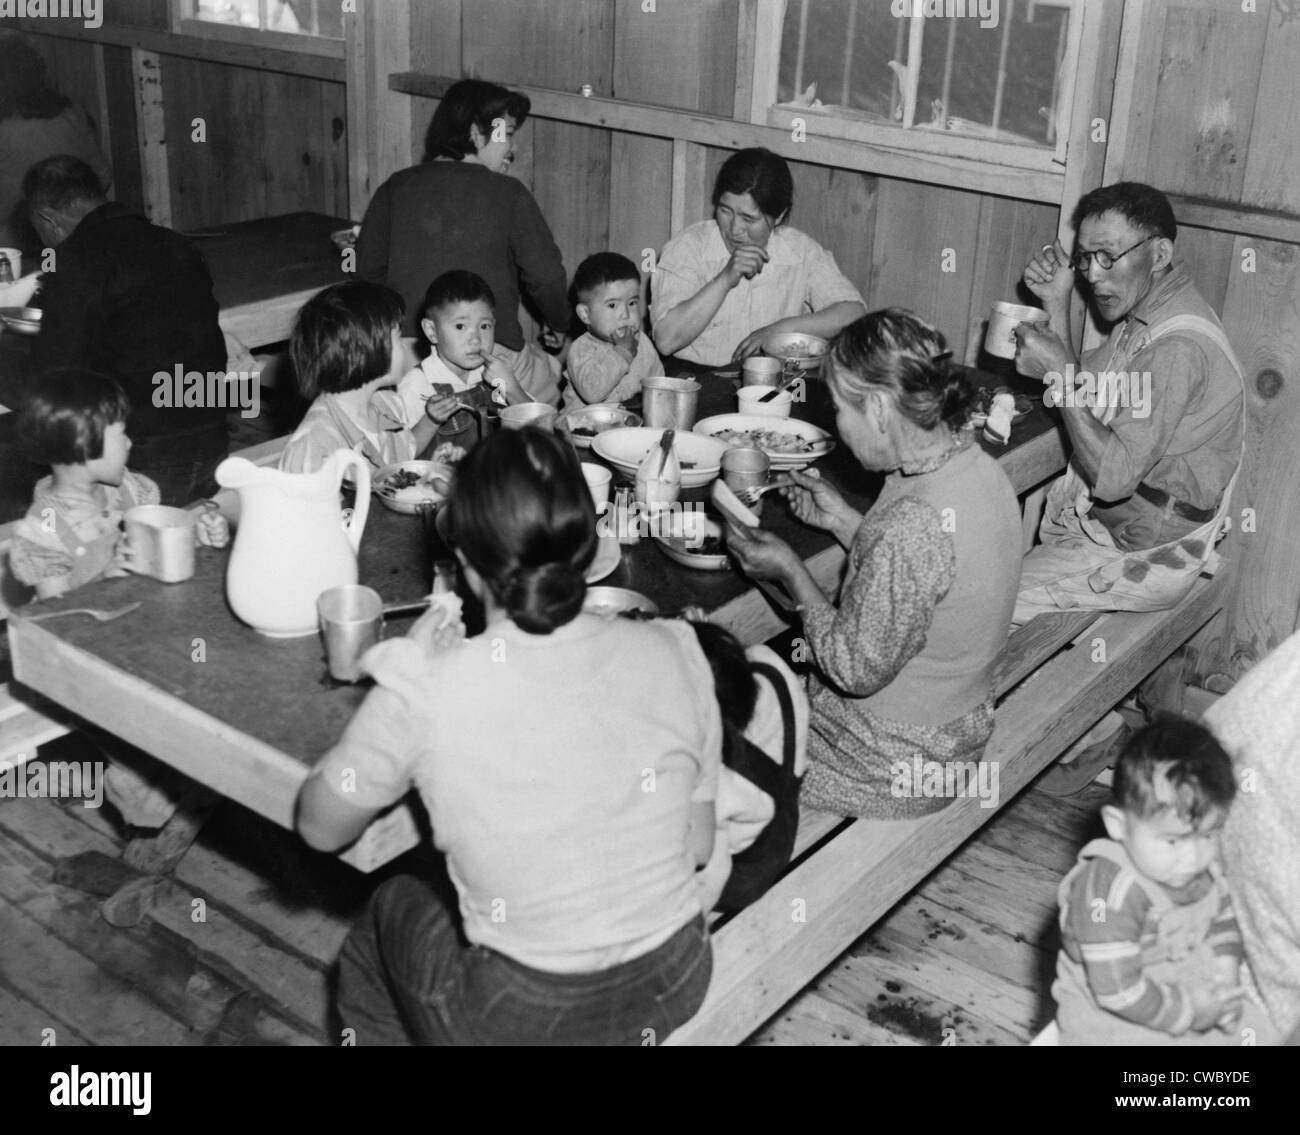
(903, 663)
(569, 765)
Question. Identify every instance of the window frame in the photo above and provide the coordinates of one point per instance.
(826, 123)
(304, 43)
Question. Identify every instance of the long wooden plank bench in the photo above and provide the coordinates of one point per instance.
(1056, 678)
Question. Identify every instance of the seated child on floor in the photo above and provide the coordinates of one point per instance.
(346, 344)
(464, 369)
(608, 363)
(75, 422)
(764, 753)
(1150, 949)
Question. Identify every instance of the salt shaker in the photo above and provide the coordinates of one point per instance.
(624, 520)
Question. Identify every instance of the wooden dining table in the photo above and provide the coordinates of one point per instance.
(249, 716)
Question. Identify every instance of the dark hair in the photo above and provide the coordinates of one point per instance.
(58, 182)
(763, 175)
(1186, 753)
(343, 337)
(602, 268)
(456, 287)
(470, 102)
(1143, 206)
(733, 680)
(895, 351)
(522, 514)
(25, 87)
(62, 422)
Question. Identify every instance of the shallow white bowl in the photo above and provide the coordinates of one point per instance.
(820, 442)
(700, 456)
(411, 501)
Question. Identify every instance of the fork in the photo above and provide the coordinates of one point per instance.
(99, 616)
(751, 495)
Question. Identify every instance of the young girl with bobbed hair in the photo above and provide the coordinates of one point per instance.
(569, 765)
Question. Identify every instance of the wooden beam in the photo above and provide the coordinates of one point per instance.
(151, 132)
(725, 133)
(292, 62)
(1245, 220)
(768, 23)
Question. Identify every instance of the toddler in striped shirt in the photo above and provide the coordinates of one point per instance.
(1150, 949)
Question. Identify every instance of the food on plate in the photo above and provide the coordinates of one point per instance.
(583, 431)
(410, 484)
(772, 441)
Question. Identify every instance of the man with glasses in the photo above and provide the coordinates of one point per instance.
(1154, 415)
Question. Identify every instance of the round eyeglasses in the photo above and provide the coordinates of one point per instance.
(1079, 261)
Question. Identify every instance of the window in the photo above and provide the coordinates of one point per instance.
(996, 71)
(263, 19)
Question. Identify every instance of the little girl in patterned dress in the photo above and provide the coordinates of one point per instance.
(75, 422)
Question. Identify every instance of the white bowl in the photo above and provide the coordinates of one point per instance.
(700, 456)
(747, 397)
(807, 351)
(421, 495)
(598, 417)
(818, 441)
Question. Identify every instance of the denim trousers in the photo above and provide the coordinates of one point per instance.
(406, 976)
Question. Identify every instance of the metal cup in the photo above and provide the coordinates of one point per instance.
(351, 621)
(999, 339)
(760, 370)
(746, 468)
(669, 403)
(161, 542)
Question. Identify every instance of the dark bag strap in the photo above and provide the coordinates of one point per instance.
(786, 702)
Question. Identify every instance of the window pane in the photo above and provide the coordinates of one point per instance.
(846, 47)
(308, 17)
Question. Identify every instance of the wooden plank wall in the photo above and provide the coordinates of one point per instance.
(276, 143)
(1214, 119)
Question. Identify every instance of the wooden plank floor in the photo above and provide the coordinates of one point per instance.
(239, 945)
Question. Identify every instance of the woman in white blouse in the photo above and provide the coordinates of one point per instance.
(722, 286)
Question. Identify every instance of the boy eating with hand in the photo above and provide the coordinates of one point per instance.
(608, 363)
(458, 318)
(1150, 948)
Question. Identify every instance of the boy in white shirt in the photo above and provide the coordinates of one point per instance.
(608, 363)
(458, 318)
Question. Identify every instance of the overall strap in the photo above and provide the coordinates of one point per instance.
(1199, 325)
(786, 702)
(67, 535)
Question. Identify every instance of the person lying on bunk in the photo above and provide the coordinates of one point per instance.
(1154, 414)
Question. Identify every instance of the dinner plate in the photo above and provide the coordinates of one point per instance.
(625, 447)
(820, 442)
(608, 554)
(611, 601)
(678, 549)
(23, 320)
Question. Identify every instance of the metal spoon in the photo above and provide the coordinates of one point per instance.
(101, 616)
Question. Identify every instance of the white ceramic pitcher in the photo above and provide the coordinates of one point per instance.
(290, 541)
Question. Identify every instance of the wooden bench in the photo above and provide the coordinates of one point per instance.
(1057, 676)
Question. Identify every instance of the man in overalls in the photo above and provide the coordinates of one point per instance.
(1154, 415)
